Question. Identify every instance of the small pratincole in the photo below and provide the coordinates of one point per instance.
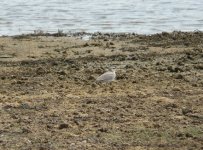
(107, 76)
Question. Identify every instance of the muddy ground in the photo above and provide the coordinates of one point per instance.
(49, 99)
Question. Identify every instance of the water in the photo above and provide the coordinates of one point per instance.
(139, 16)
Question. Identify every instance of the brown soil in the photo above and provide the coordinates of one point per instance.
(49, 98)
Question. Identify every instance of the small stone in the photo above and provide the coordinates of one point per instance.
(103, 130)
(188, 135)
(89, 102)
(176, 89)
(111, 43)
(158, 63)
(94, 85)
(86, 45)
(170, 105)
(129, 66)
(54, 63)
(91, 77)
(88, 51)
(3, 78)
(179, 76)
(25, 106)
(84, 142)
(174, 69)
(20, 82)
(63, 126)
(25, 130)
(61, 78)
(62, 72)
(179, 134)
(40, 71)
(200, 67)
(185, 111)
(13, 76)
(72, 144)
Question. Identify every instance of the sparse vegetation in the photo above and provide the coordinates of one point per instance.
(49, 100)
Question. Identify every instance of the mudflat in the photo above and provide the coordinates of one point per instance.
(49, 98)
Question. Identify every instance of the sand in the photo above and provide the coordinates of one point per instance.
(49, 98)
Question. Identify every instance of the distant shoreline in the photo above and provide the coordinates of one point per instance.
(60, 33)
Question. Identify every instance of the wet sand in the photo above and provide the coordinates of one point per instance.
(49, 98)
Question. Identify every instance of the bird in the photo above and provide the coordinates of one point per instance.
(107, 76)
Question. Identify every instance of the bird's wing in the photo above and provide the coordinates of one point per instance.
(106, 76)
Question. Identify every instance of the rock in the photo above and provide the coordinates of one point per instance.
(88, 51)
(25, 130)
(19, 82)
(86, 45)
(195, 115)
(188, 135)
(63, 126)
(90, 101)
(61, 78)
(170, 105)
(62, 72)
(54, 63)
(3, 78)
(103, 129)
(174, 69)
(40, 71)
(129, 66)
(176, 89)
(25, 106)
(200, 66)
(122, 76)
(185, 111)
(179, 134)
(72, 144)
(160, 68)
(94, 85)
(178, 76)
(111, 43)
(91, 77)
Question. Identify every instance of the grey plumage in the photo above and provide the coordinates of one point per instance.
(107, 76)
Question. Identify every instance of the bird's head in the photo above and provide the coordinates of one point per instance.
(113, 69)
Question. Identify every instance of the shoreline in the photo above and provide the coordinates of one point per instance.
(49, 98)
(61, 33)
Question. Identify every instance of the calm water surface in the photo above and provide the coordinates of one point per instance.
(139, 16)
